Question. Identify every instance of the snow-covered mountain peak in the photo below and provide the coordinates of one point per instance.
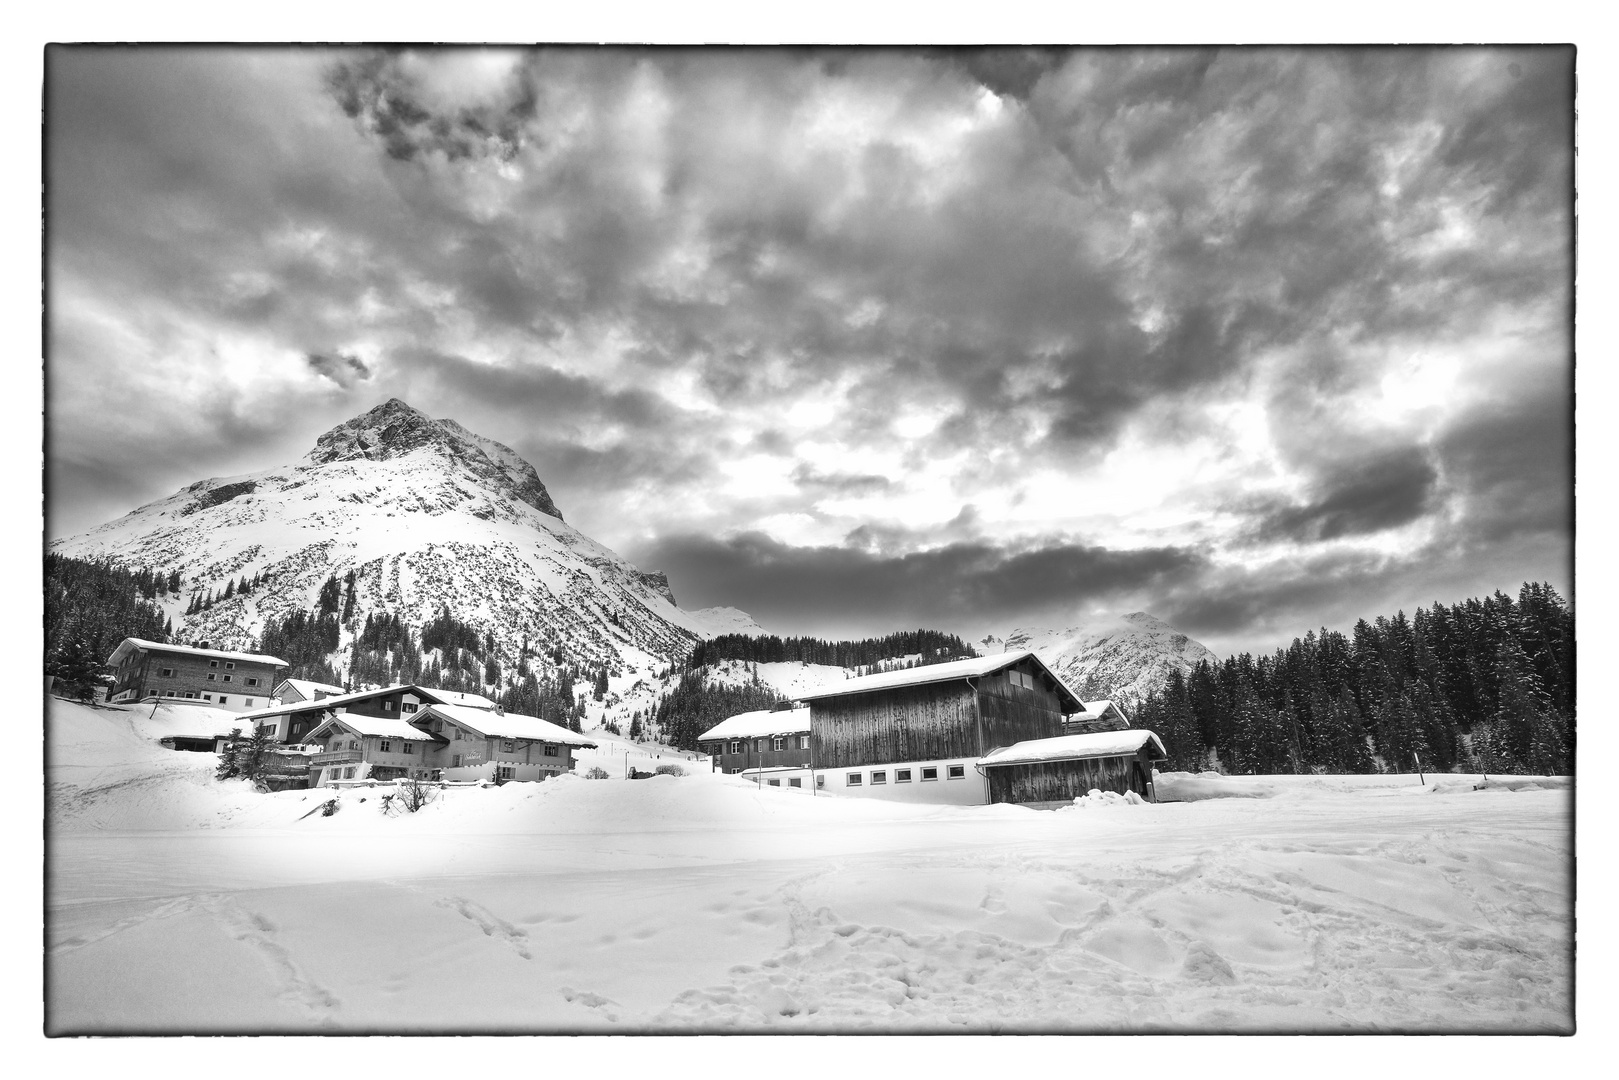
(394, 429)
(1118, 656)
(427, 516)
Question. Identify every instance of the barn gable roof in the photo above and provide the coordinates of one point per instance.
(971, 668)
(1073, 747)
(759, 724)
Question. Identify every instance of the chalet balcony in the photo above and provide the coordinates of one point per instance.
(336, 757)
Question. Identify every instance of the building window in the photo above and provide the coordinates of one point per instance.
(455, 761)
(212, 676)
(387, 706)
(505, 772)
(348, 773)
(409, 706)
(778, 743)
(733, 772)
(248, 702)
(930, 773)
(167, 673)
(795, 782)
(760, 746)
(851, 780)
(508, 746)
(820, 781)
(774, 783)
(251, 681)
(213, 663)
(222, 699)
(957, 772)
(230, 665)
(385, 746)
(551, 750)
(880, 776)
(410, 748)
(226, 679)
(902, 776)
(803, 742)
(207, 697)
(736, 746)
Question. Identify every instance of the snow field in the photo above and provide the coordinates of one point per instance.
(704, 903)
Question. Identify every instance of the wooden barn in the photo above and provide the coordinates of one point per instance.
(1054, 772)
(916, 735)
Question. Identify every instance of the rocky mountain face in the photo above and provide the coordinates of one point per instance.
(1124, 658)
(427, 515)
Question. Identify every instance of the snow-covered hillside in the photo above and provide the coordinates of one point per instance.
(704, 903)
(426, 514)
(1124, 658)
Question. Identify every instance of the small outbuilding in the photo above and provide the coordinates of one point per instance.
(772, 745)
(1046, 773)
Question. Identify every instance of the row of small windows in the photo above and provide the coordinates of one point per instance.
(213, 676)
(778, 742)
(903, 776)
(221, 700)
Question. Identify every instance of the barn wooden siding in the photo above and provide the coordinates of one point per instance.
(1013, 714)
(908, 723)
(1064, 781)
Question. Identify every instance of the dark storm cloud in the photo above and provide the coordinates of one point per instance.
(839, 588)
(813, 481)
(340, 368)
(375, 90)
(1359, 497)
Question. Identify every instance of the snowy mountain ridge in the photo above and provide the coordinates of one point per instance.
(1125, 657)
(427, 515)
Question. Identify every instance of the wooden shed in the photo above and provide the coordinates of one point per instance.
(1054, 772)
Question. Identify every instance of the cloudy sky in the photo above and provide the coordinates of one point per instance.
(1256, 341)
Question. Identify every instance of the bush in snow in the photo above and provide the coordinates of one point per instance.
(596, 772)
(668, 770)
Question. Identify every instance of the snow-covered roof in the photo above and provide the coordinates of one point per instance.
(427, 694)
(1095, 709)
(504, 725)
(459, 697)
(970, 668)
(389, 727)
(759, 724)
(310, 689)
(131, 643)
(1070, 747)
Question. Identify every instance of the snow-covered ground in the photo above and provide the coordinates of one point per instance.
(179, 904)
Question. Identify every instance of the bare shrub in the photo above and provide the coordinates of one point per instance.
(668, 770)
(596, 772)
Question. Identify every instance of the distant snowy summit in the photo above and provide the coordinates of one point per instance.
(1125, 657)
(427, 515)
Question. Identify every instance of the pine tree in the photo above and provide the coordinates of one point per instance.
(76, 670)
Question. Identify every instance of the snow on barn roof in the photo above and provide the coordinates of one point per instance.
(1095, 709)
(971, 668)
(504, 725)
(129, 644)
(759, 724)
(1070, 747)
